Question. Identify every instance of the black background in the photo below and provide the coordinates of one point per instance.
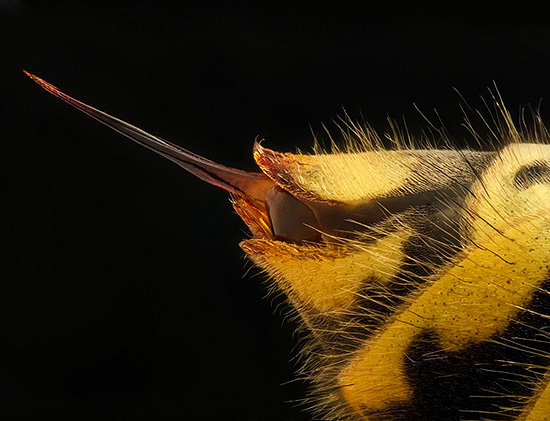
(125, 294)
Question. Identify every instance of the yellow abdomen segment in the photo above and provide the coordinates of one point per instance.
(473, 300)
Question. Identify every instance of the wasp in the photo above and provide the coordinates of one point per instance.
(420, 275)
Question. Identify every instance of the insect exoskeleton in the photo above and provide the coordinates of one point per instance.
(420, 275)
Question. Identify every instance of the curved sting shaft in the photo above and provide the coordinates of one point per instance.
(240, 183)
